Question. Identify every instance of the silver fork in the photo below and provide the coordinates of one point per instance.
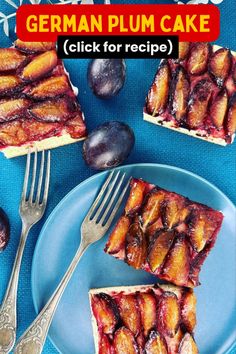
(31, 211)
(94, 226)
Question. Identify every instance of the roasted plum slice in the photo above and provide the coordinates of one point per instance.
(180, 94)
(159, 248)
(136, 246)
(168, 314)
(117, 239)
(124, 342)
(183, 50)
(4, 230)
(106, 312)
(220, 65)
(52, 111)
(129, 313)
(159, 92)
(34, 47)
(201, 229)
(152, 208)
(9, 84)
(174, 212)
(12, 109)
(148, 310)
(12, 133)
(50, 88)
(156, 344)
(136, 196)
(10, 59)
(35, 129)
(178, 259)
(75, 126)
(40, 66)
(198, 103)
(218, 109)
(188, 345)
(105, 347)
(231, 117)
(198, 58)
(196, 266)
(188, 310)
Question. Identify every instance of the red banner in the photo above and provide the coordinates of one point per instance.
(190, 23)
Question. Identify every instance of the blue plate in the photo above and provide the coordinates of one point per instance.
(71, 331)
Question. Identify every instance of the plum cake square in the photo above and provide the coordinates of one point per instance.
(38, 104)
(164, 233)
(151, 319)
(196, 94)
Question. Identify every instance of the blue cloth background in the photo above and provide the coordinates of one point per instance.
(153, 144)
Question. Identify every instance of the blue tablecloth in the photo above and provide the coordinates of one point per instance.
(153, 144)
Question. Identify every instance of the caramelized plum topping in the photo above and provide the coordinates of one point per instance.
(129, 313)
(159, 248)
(124, 342)
(34, 128)
(106, 312)
(40, 66)
(34, 47)
(12, 133)
(198, 59)
(174, 212)
(188, 310)
(9, 84)
(136, 196)
(52, 111)
(188, 345)
(220, 65)
(158, 94)
(136, 247)
(198, 103)
(180, 93)
(156, 344)
(10, 59)
(76, 127)
(219, 108)
(202, 229)
(168, 314)
(50, 88)
(183, 50)
(176, 266)
(116, 241)
(152, 208)
(4, 230)
(231, 118)
(148, 311)
(105, 346)
(12, 109)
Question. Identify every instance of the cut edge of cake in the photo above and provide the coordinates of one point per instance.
(159, 120)
(44, 144)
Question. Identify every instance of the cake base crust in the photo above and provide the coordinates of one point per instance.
(45, 144)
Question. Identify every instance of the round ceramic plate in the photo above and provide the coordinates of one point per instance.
(71, 330)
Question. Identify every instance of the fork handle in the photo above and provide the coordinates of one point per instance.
(8, 311)
(33, 339)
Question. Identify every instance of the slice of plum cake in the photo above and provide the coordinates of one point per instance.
(196, 94)
(38, 103)
(151, 319)
(164, 233)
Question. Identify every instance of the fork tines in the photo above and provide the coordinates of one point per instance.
(109, 199)
(34, 195)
